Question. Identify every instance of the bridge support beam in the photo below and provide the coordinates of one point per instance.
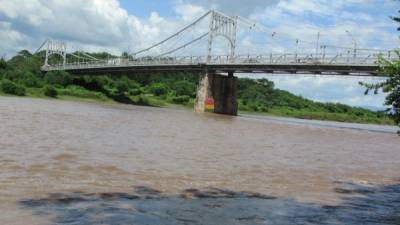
(221, 89)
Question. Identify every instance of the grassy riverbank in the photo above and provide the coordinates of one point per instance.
(150, 100)
(21, 76)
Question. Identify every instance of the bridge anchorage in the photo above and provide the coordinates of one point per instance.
(216, 71)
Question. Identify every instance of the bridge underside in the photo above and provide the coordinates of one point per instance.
(323, 69)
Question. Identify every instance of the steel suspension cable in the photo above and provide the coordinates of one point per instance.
(41, 46)
(79, 57)
(84, 53)
(176, 42)
(185, 45)
(172, 36)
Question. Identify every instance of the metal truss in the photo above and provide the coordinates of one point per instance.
(56, 48)
(225, 26)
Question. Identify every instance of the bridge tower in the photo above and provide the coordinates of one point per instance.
(220, 88)
(56, 48)
(224, 26)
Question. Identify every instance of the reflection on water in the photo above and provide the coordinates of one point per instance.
(362, 205)
(260, 170)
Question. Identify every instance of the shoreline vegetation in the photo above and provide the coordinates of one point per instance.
(21, 76)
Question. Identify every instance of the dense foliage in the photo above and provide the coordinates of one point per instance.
(10, 87)
(260, 96)
(50, 91)
(391, 85)
(21, 75)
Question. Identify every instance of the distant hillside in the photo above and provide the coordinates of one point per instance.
(21, 76)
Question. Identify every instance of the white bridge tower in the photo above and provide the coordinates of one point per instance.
(56, 48)
(225, 26)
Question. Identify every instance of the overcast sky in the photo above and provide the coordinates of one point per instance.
(129, 25)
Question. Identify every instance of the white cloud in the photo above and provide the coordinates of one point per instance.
(104, 25)
(303, 19)
(234, 7)
(189, 12)
(93, 24)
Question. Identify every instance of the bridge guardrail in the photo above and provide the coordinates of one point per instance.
(270, 59)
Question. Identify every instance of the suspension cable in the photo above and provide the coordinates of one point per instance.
(41, 46)
(84, 53)
(174, 35)
(184, 46)
(175, 42)
(79, 57)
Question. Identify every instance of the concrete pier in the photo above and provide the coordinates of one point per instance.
(221, 88)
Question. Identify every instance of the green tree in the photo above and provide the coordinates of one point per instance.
(158, 89)
(60, 78)
(3, 64)
(31, 80)
(11, 88)
(391, 85)
(181, 99)
(184, 88)
(256, 94)
(50, 91)
(397, 19)
(25, 54)
(121, 86)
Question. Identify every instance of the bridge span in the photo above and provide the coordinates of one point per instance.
(221, 89)
(245, 64)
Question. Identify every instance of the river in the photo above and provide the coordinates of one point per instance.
(67, 162)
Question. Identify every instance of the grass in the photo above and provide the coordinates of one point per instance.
(315, 115)
(79, 92)
(65, 95)
(83, 95)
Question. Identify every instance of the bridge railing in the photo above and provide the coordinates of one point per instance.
(346, 58)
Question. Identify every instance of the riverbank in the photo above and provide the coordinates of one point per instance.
(81, 95)
(274, 118)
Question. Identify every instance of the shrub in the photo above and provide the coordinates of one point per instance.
(136, 91)
(80, 92)
(181, 99)
(3, 64)
(159, 89)
(30, 80)
(12, 74)
(61, 78)
(130, 83)
(143, 100)
(121, 86)
(50, 91)
(184, 87)
(11, 88)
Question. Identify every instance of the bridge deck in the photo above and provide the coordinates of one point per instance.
(325, 64)
(336, 69)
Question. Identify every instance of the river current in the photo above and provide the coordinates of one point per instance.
(79, 163)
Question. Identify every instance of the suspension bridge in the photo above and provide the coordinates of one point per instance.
(203, 36)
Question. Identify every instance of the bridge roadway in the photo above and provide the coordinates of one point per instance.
(323, 69)
(294, 64)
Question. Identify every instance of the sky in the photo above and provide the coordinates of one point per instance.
(130, 25)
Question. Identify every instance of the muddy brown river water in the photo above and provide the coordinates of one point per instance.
(78, 163)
